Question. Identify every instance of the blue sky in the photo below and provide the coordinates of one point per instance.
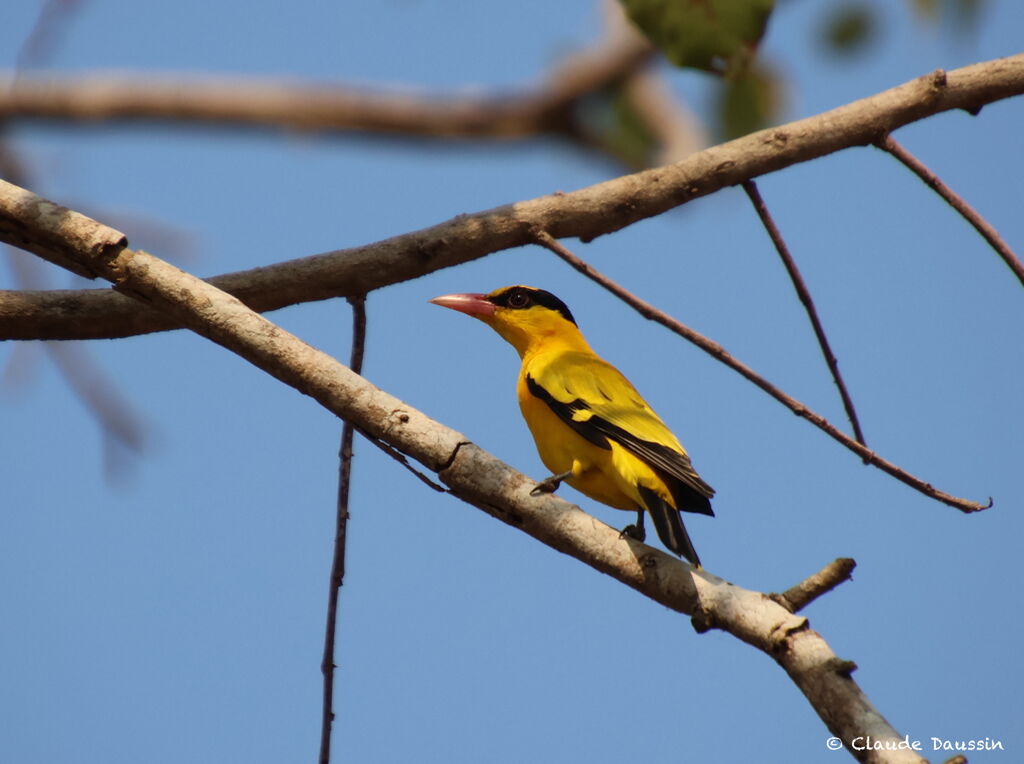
(175, 613)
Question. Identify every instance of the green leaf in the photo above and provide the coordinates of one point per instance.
(718, 36)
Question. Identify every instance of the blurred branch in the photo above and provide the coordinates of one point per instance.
(957, 202)
(484, 481)
(675, 127)
(808, 302)
(716, 351)
(161, 98)
(585, 214)
(120, 425)
(40, 42)
(328, 665)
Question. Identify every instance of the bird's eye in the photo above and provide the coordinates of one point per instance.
(518, 299)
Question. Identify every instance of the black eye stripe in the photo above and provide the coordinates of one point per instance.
(520, 298)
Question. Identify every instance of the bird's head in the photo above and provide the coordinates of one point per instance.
(524, 316)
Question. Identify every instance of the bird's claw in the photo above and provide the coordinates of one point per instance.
(634, 532)
(550, 485)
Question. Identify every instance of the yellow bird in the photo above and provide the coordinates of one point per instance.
(591, 427)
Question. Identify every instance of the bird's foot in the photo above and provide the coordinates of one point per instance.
(550, 484)
(635, 532)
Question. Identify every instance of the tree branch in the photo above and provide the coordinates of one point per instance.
(162, 98)
(584, 214)
(808, 302)
(716, 351)
(327, 665)
(957, 202)
(797, 597)
(482, 480)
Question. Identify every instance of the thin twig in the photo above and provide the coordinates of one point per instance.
(805, 297)
(399, 457)
(648, 311)
(338, 562)
(797, 597)
(957, 202)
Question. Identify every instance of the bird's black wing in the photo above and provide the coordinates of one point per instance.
(599, 422)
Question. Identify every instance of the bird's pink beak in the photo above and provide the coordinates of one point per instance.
(476, 305)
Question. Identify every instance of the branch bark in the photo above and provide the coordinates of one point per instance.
(585, 214)
(484, 481)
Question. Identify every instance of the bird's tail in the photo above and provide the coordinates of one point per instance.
(669, 524)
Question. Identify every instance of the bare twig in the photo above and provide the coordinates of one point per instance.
(38, 45)
(805, 297)
(328, 665)
(399, 457)
(957, 202)
(797, 597)
(482, 480)
(711, 347)
(586, 213)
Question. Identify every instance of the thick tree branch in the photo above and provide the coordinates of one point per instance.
(482, 480)
(584, 214)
